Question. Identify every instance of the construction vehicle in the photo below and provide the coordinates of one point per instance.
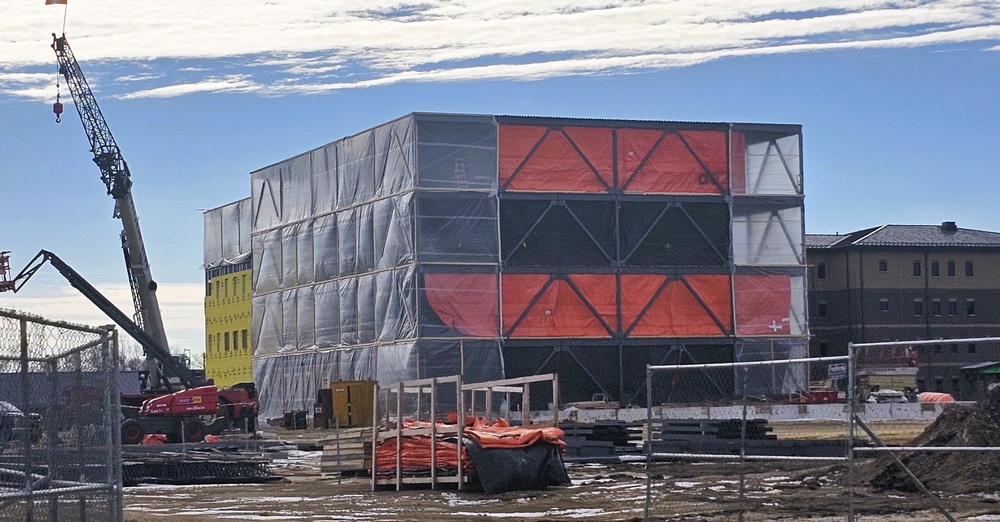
(118, 180)
(160, 407)
(187, 415)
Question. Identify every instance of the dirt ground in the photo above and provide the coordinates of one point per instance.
(600, 492)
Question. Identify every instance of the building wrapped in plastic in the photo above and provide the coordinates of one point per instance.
(501, 246)
(228, 293)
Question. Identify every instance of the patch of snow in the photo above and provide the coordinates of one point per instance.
(454, 500)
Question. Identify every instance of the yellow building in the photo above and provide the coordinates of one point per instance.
(228, 295)
(228, 312)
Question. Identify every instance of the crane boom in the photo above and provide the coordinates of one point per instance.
(116, 177)
(149, 345)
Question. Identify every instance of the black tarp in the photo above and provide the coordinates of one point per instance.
(511, 469)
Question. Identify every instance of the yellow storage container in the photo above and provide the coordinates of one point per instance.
(353, 402)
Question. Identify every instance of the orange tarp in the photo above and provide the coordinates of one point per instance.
(662, 162)
(677, 312)
(416, 455)
(466, 302)
(498, 434)
(763, 304)
(416, 450)
(738, 163)
(582, 159)
(585, 305)
(564, 159)
(935, 397)
(536, 158)
(558, 311)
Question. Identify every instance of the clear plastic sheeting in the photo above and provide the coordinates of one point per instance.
(227, 234)
(785, 379)
(457, 227)
(773, 163)
(340, 236)
(768, 232)
(457, 152)
(291, 382)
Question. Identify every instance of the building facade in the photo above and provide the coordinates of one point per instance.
(909, 282)
(501, 246)
(228, 294)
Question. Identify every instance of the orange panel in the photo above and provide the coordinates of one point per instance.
(602, 293)
(555, 159)
(715, 291)
(518, 291)
(515, 143)
(637, 290)
(557, 312)
(677, 312)
(466, 302)
(656, 161)
(738, 163)
(763, 304)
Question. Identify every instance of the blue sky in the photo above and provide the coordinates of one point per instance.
(898, 102)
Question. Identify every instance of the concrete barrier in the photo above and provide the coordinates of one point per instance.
(919, 411)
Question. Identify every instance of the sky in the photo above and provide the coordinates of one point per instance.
(898, 101)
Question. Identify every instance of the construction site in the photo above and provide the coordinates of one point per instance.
(468, 316)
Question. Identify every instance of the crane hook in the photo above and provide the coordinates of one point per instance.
(57, 108)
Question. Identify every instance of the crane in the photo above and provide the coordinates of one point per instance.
(116, 177)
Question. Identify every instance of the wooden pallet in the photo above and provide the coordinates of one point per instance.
(349, 450)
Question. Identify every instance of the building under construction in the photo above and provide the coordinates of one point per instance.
(501, 246)
(228, 293)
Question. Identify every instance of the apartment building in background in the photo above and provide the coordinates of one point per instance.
(910, 282)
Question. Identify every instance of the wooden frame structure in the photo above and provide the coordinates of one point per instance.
(508, 387)
(416, 392)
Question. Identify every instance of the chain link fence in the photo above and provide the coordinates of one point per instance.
(954, 396)
(850, 437)
(59, 421)
(724, 437)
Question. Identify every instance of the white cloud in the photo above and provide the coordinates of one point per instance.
(232, 84)
(304, 46)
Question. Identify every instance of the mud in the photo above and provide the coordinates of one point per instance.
(678, 491)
